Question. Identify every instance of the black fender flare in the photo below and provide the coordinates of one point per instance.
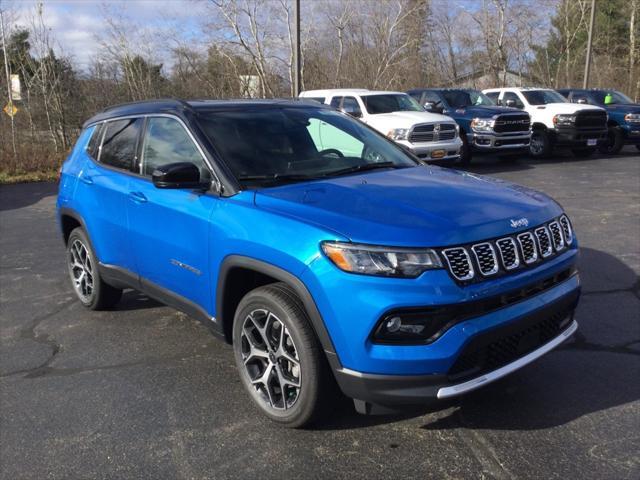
(317, 323)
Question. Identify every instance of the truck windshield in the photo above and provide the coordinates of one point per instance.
(272, 145)
(466, 98)
(389, 103)
(610, 97)
(543, 97)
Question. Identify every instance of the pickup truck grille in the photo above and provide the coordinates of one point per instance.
(474, 262)
(432, 132)
(591, 119)
(512, 123)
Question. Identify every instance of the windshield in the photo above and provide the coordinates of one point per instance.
(610, 97)
(466, 98)
(543, 97)
(389, 103)
(268, 146)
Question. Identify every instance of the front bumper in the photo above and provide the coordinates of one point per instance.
(578, 137)
(496, 141)
(435, 151)
(631, 134)
(521, 336)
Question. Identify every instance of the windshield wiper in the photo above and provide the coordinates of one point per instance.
(362, 168)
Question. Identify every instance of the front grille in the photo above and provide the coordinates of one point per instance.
(432, 133)
(528, 246)
(459, 263)
(510, 253)
(511, 123)
(544, 242)
(497, 348)
(486, 258)
(591, 119)
(556, 236)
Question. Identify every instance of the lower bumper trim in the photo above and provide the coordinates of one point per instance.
(461, 388)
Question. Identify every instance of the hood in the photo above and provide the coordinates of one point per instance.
(408, 119)
(486, 111)
(564, 107)
(419, 206)
(628, 108)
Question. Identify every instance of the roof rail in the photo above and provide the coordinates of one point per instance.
(178, 101)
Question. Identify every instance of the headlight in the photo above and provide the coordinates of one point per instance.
(632, 117)
(398, 134)
(482, 124)
(564, 119)
(385, 261)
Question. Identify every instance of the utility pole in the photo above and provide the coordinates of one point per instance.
(6, 69)
(296, 50)
(587, 66)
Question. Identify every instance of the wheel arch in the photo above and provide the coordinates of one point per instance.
(539, 126)
(70, 219)
(239, 274)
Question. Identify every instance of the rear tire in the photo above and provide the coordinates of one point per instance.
(279, 358)
(82, 264)
(614, 142)
(540, 145)
(583, 152)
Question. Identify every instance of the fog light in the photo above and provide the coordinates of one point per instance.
(393, 324)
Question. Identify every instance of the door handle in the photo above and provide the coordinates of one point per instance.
(86, 179)
(137, 197)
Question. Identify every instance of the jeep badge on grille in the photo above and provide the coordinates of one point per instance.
(520, 222)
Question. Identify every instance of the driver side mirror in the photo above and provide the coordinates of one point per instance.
(179, 175)
(581, 100)
(353, 113)
(510, 103)
(432, 107)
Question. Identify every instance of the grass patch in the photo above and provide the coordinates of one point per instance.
(28, 177)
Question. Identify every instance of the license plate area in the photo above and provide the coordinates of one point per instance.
(592, 142)
(438, 153)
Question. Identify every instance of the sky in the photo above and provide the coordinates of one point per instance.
(76, 24)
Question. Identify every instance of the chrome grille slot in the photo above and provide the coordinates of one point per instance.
(508, 253)
(486, 257)
(459, 263)
(544, 241)
(556, 236)
(528, 247)
(421, 133)
(566, 229)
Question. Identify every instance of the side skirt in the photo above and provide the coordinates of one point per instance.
(122, 278)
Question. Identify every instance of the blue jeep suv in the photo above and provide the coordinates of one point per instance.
(323, 252)
(624, 115)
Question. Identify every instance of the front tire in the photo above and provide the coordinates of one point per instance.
(82, 264)
(540, 145)
(583, 152)
(278, 356)
(614, 142)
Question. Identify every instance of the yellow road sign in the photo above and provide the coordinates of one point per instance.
(10, 109)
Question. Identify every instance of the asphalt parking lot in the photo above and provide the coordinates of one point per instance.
(145, 392)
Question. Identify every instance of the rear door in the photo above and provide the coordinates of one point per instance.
(170, 227)
(103, 190)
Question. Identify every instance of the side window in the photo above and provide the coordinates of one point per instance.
(350, 106)
(511, 99)
(416, 96)
(335, 102)
(94, 141)
(327, 137)
(166, 141)
(432, 97)
(120, 143)
(494, 97)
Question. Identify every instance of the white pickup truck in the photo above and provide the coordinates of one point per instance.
(555, 121)
(429, 136)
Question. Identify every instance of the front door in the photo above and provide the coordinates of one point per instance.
(170, 227)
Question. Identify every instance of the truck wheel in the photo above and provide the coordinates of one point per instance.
(278, 356)
(540, 145)
(614, 142)
(82, 264)
(465, 150)
(583, 152)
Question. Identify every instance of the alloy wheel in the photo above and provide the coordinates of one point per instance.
(536, 144)
(271, 359)
(81, 270)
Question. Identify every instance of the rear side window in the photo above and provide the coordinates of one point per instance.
(120, 143)
(94, 141)
(335, 102)
(493, 96)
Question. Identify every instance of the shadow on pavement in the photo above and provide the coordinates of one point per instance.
(22, 195)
